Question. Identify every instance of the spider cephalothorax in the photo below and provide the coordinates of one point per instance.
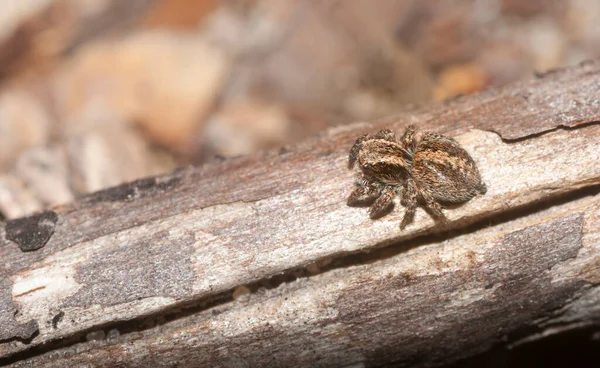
(432, 170)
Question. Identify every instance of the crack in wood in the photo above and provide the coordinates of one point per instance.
(544, 132)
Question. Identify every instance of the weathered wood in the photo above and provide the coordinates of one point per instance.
(437, 302)
(153, 246)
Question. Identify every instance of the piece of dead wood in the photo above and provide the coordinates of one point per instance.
(171, 250)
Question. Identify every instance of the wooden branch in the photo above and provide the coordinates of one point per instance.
(178, 242)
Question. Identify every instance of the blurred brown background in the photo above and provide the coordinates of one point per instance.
(98, 92)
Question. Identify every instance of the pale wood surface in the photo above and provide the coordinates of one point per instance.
(162, 245)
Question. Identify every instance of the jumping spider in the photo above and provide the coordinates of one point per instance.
(432, 170)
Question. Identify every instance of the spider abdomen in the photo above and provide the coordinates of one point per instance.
(445, 170)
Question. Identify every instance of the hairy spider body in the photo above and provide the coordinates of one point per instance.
(432, 170)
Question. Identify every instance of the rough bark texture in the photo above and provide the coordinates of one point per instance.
(174, 268)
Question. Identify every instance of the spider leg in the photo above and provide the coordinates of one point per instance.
(409, 200)
(382, 203)
(386, 134)
(356, 148)
(408, 139)
(482, 188)
(434, 207)
(366, 190)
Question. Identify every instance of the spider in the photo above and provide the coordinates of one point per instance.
(432, 170)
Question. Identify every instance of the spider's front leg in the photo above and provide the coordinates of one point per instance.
(366, 191)
(382, 204)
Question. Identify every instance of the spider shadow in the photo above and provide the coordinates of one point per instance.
(369, 202)
(440, 221)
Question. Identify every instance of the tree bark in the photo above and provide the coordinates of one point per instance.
(258, 261)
